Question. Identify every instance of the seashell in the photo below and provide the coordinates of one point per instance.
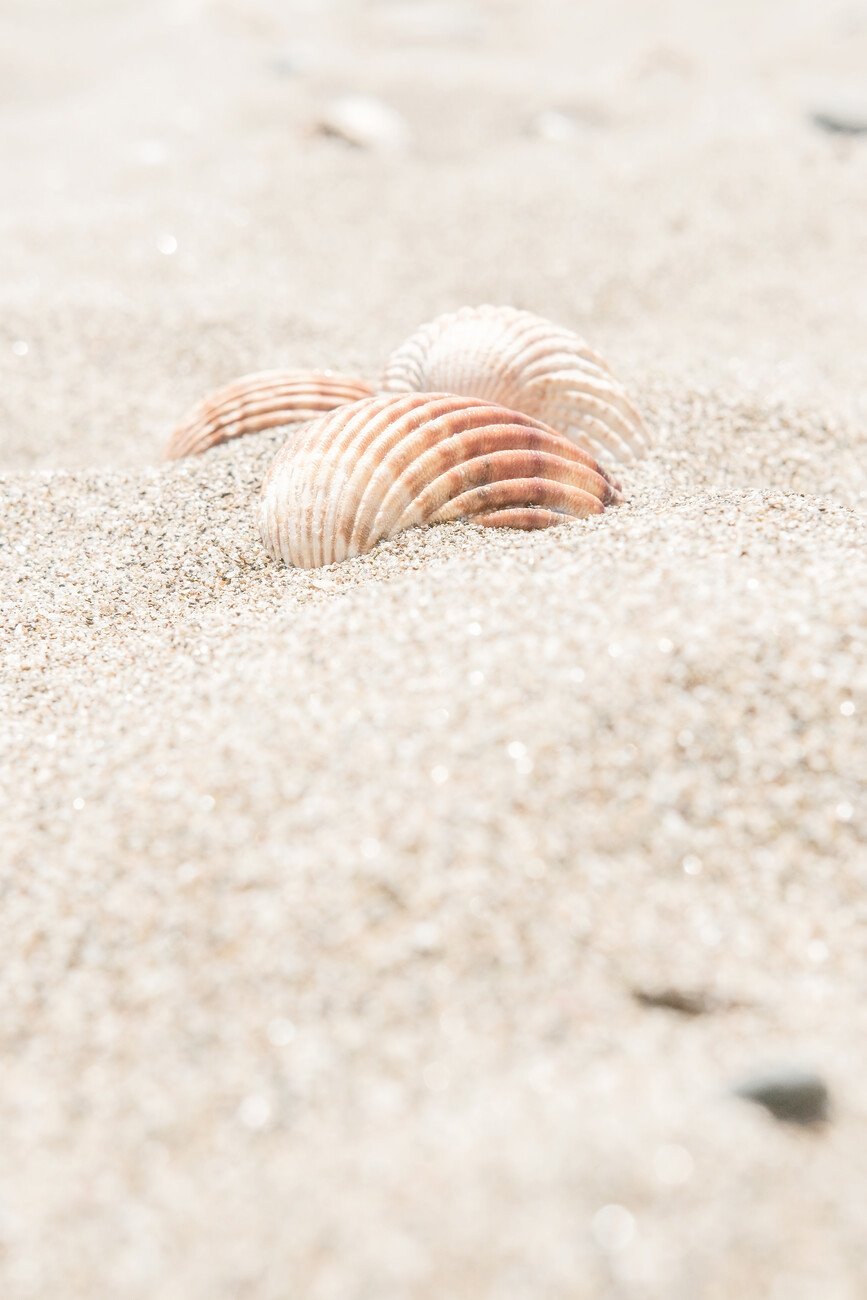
(368, 471)
(366, 123)
(521, 361)
(262, 401)
(554, 125)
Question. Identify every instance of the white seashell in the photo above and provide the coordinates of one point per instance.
(527, 364)
(262, 401)
(554, 125)
(368, 471)
(366, 123)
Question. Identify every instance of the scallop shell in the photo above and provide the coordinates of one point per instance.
(262, 401)
(521, 361)
(368, 471)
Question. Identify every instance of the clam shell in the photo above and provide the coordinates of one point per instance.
(262, 401)
(366, 123)
(526, 363)
(368, 471)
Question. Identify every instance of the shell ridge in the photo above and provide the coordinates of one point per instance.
(239, 407)
(518, 434)
(521, 492)
(605, 391)
(521, 361)
(496, 467)
(447, 418)
(437, 443)
(393, 421)
(374, 468)
(421, 415)
(573, 408)
(346, 424)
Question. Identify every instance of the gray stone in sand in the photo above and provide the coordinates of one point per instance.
(795, 1095)
(842, 121)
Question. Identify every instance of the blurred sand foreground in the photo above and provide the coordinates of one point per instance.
(326, 896)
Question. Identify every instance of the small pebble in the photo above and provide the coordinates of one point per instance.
(795, 1096)
(841, 121)
(366, 123)
(687, 1002)
(554, 126)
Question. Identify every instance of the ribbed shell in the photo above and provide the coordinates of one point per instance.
(523, 362)
(368, 471)
(262, 401)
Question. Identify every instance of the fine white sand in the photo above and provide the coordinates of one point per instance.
(326, 895)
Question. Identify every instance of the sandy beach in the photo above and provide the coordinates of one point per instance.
(403, 928)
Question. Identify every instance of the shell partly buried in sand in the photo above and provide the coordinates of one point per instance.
(368, 471)
(524, 362)
(262, 401)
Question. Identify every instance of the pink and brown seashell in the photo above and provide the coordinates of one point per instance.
(368, 471)
(263, 401)
(526, 363)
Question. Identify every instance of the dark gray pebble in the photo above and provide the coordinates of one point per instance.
(687, 1002)
(841, 123)
(796, 1096)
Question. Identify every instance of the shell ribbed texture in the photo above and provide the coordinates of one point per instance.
(521, 361)
(262, 401)
(368, 471)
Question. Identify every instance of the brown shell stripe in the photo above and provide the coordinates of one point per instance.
(390, 448)
(262, 401)
(526, 363)
(467, 446)
(370, 470)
